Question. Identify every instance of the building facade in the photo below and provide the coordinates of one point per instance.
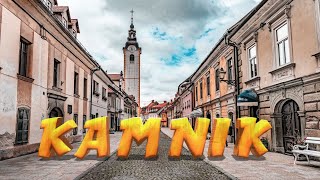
(272, 53)
(44, 72)
(279, 57)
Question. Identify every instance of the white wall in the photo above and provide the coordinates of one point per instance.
(9, 61)
(39, 101)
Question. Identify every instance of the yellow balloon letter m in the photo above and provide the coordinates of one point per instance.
(133, 129)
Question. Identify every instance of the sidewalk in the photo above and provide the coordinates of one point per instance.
(66, 167)
(270, 166)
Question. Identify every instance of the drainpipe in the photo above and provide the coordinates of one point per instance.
(91, 94)
(236, 74)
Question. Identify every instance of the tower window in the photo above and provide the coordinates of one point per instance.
(131, 58)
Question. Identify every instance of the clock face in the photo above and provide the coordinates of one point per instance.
(131, 48)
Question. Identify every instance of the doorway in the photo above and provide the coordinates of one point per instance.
(209, 117)
(291, 125)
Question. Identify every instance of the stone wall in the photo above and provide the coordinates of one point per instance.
(312, 108)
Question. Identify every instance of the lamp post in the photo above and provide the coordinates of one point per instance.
(222, 75)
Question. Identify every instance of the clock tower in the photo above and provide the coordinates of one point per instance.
(132, 53)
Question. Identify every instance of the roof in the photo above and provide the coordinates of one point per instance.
(115, 77)
(59, 9)
(159, 106)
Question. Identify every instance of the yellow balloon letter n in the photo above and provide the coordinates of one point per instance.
(53, 137)
(133, 129)
(195, 140)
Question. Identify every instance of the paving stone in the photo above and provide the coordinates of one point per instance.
(136, 167)
(270, 166)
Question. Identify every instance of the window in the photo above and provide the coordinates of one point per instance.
(282, 38)
(64, 22)
(56, 72)
(85, 88)
(95, 87)
(76, 83)
(229, 63)
(83, 123)
(75, 118)
(24, 53)
(23, 118)
(208, 85)
(201, 95)
(104, 92)
(49, 4)
(217, 80)
(197, 93)
(131, 58)
(252, 54)
(97, 115)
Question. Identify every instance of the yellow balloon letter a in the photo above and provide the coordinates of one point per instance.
(134, 129)
(100, 126)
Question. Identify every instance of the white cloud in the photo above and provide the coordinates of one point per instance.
(104, 26)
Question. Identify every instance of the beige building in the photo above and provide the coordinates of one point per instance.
(279, 58)
(44, 72)
(276, 51)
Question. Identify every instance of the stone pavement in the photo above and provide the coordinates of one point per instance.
(137, 167)
(65, 167)
(270, 166)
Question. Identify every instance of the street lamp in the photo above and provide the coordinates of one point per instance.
(222, 75)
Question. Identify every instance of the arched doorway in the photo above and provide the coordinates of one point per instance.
(291, 124)
(209, 117)
(55, 112)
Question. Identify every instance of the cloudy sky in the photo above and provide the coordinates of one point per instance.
(175, 35)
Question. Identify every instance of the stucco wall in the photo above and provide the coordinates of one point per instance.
(9, 61)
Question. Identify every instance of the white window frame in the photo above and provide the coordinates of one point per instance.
(278, 42)
(280, 22)
(317, 16)
(252, 58)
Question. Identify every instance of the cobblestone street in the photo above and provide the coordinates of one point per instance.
(66, 167)
(136, 167)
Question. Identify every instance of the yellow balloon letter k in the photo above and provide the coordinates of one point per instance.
(53, 137)
(248, 137)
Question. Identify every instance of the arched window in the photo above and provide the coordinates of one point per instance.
(131, 58)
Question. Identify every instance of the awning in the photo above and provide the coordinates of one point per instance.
(196, 113)
(248, 98)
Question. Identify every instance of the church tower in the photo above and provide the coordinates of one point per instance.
(132, 53)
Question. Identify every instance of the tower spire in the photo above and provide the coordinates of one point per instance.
(132, 19)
